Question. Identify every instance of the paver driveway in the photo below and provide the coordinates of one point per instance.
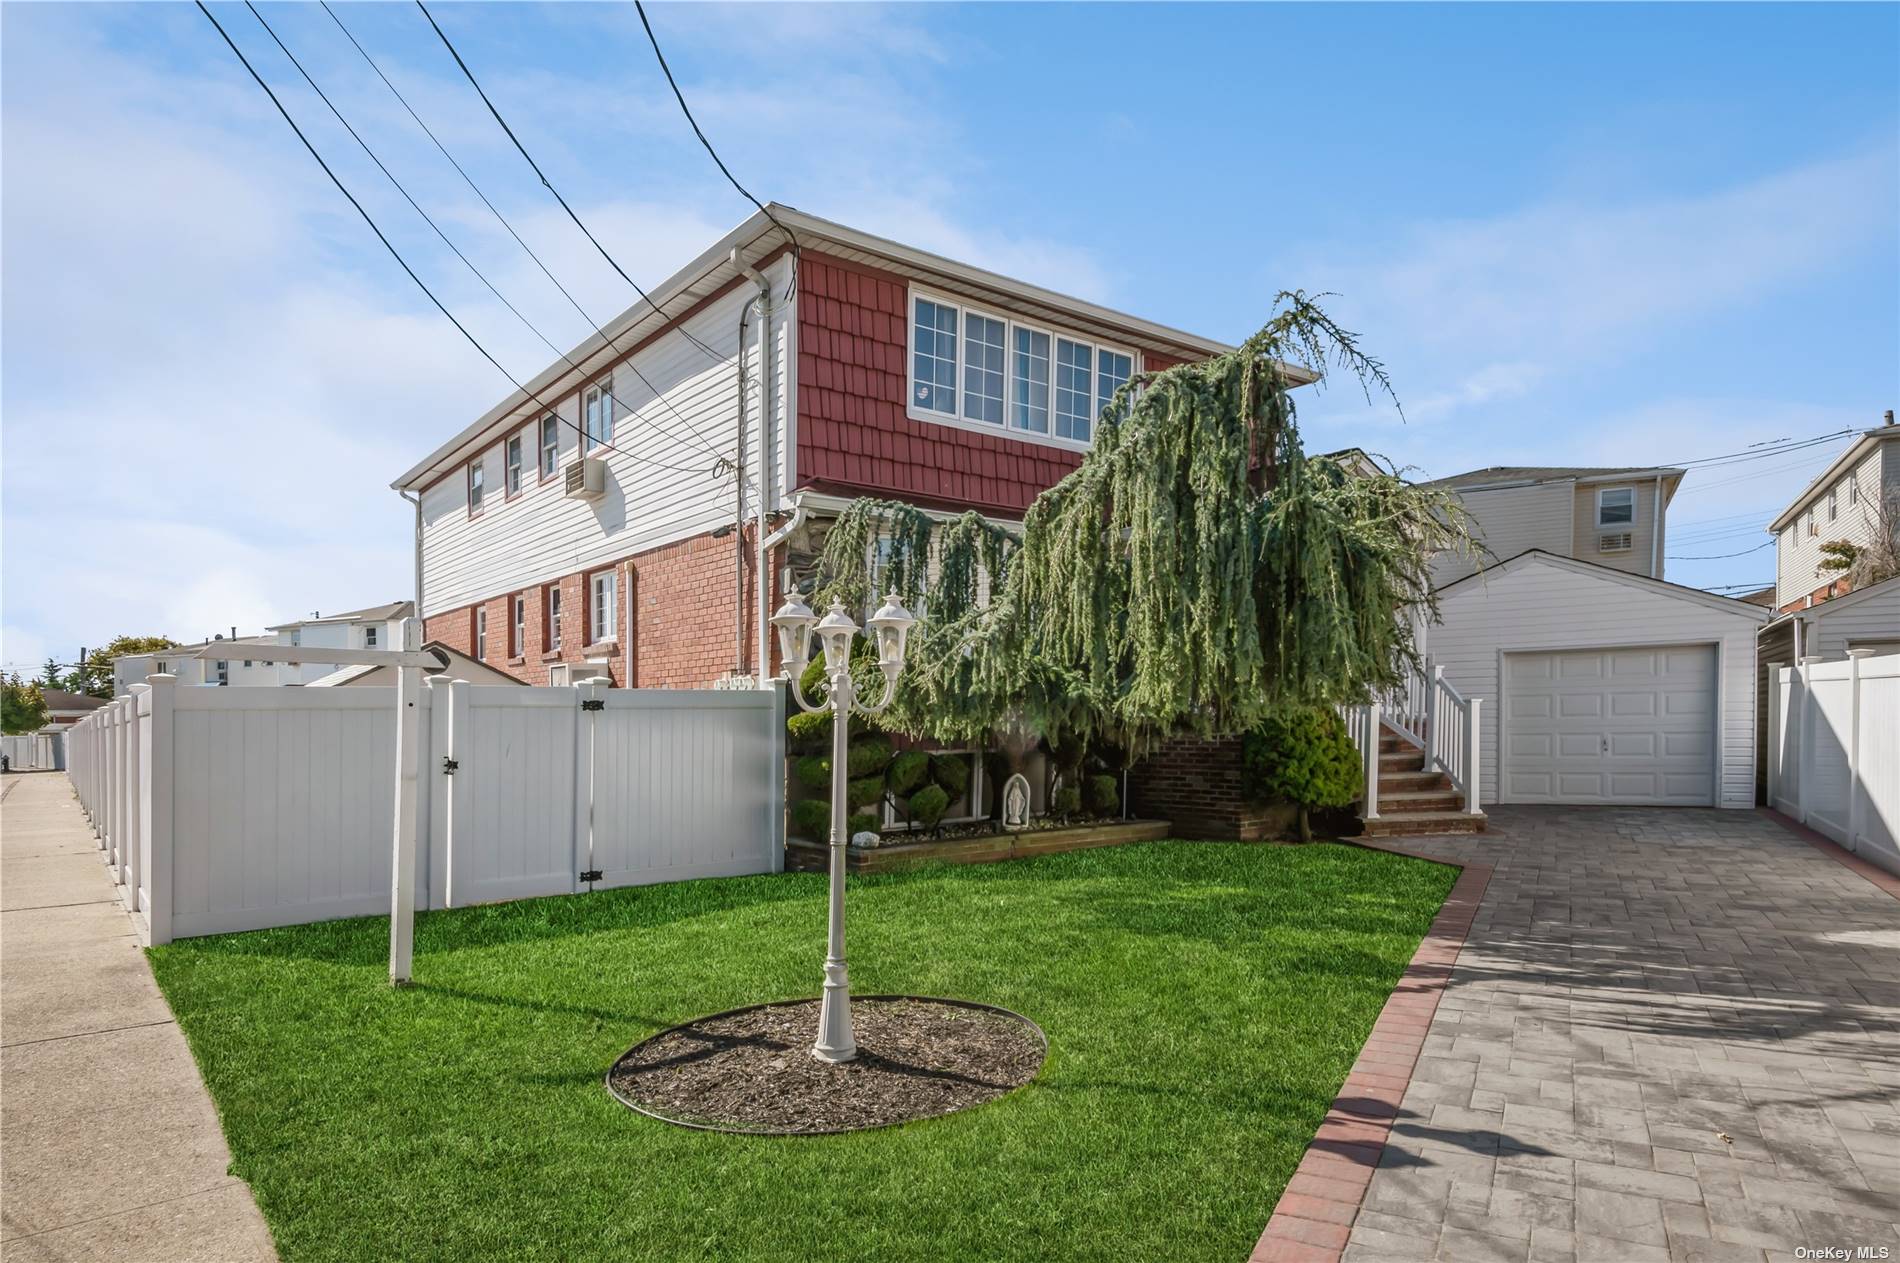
(1671, 1034)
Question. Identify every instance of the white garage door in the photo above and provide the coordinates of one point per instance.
(1610, 726)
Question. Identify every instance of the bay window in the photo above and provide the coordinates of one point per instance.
(968, 366)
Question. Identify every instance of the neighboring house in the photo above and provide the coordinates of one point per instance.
(1602, 686)
(245, 661)
(597, 539)
(1843, 503)
(1611, 517)
(64, 709)
(455, 665)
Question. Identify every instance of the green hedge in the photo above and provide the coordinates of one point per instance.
(864, 791)
(907, 771)
(1103, 792)
(869, 755)
(928, 804)
(813, 772)
(952, 772)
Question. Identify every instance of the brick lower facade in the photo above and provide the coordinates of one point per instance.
(1196, 784)
(678, 602)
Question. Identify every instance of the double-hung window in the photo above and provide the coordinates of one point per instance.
(369, 637)
(1616, 506)
(511, 480)
(481, 633)
(1833, 507)
(600, 607)
(551, 613)
(517, 625)
(550, 445)
(597, 411)
(967, 365)
(475, 487)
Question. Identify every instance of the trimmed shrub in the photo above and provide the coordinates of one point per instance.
(1303, 756)
(813, 771)
(907, 771)
(863, 822)
(812, 818)
(952, 772)
(864, 791)
(809, 732)
(1067, 801)
(928, 804)
(869, 755)
(813, 678)
(1104, 794)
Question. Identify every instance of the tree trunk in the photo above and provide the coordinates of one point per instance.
(1306, 825)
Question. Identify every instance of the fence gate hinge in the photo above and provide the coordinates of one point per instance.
(449, 765)
(593, 703)
(592, 874)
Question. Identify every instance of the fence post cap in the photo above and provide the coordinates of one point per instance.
(1808, 660)
(1862, 651)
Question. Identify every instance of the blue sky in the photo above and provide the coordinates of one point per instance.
(1610, 234)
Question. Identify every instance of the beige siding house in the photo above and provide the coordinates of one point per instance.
(1843, 503)
(1609, 517)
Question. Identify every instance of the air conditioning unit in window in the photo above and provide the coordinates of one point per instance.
(586, 479)
(1618, 543)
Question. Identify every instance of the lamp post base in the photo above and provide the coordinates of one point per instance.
(835, 1041)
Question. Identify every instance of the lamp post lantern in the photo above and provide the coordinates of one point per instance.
(889, 628)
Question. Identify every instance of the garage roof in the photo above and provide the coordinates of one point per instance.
(1643, 583)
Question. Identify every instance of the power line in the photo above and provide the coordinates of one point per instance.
(469, 264)
(503, 220)
(719, 162)
(1725, 556)
(549, 185)
(394, 253)
(1760, 451)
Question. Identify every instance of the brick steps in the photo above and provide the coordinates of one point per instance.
(1413, 800)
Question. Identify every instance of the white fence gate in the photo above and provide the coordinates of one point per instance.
(1834, 750)
(225, 809)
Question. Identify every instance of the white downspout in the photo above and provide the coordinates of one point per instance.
(768, 414)
(416, 500)
(1655, 533)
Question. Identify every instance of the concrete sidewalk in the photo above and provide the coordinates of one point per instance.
(109, 1145)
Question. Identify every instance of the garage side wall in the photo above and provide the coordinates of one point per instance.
(1543, 607)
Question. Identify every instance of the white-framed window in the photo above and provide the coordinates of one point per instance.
(1814, 527)
(518, 626)
(1616, 506)
(557, 674)
(1853, 487)
(550, 446)
(551, 618)
(967, 365)
(475, 487)
(600, 606)
(481, 633)
(1833, 507)
(511, 479)
(369, 637)
(597, 414)
(224, 672)
(296, 636)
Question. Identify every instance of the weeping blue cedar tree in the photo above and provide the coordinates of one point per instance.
(1196, 573)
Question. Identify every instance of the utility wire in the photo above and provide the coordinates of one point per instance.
(1724, 556)
(1762, 452)
(469, 264)
(500, 218)
(549, 185)
(719, 162)
(394, 253)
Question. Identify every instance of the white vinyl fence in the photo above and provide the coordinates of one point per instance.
(1834, 750)
(228, 809)
(35, 751)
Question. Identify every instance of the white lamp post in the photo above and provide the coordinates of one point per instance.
(889, 628)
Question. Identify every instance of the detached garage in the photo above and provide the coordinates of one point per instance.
(1603, 687)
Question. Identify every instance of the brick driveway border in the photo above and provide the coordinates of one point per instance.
(1670, 1034)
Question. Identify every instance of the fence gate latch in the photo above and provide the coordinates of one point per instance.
(449, 765)
(593, 703)
(591, 875)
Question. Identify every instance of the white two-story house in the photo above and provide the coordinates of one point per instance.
(1597, 680)
(1843, 504)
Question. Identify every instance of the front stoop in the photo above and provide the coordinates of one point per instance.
(1413, 801)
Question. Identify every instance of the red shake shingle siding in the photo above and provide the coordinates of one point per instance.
(854, 437)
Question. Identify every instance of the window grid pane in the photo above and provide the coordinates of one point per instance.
(550, 445)
(1112, 373)
(1029, 382)
(983, 369)
(934, 356)
(1075, 393)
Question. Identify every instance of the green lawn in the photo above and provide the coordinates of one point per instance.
(1203, 1002)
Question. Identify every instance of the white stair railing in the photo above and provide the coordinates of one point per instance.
(1427, 711)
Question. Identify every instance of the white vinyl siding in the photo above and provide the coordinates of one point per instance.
(1508, 521)
(1538, 606)
(1868, 616)
(541, 534)
(1858, 490)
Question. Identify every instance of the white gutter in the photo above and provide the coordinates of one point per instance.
(768, 414)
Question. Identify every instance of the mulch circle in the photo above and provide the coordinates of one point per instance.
(751, 1069)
